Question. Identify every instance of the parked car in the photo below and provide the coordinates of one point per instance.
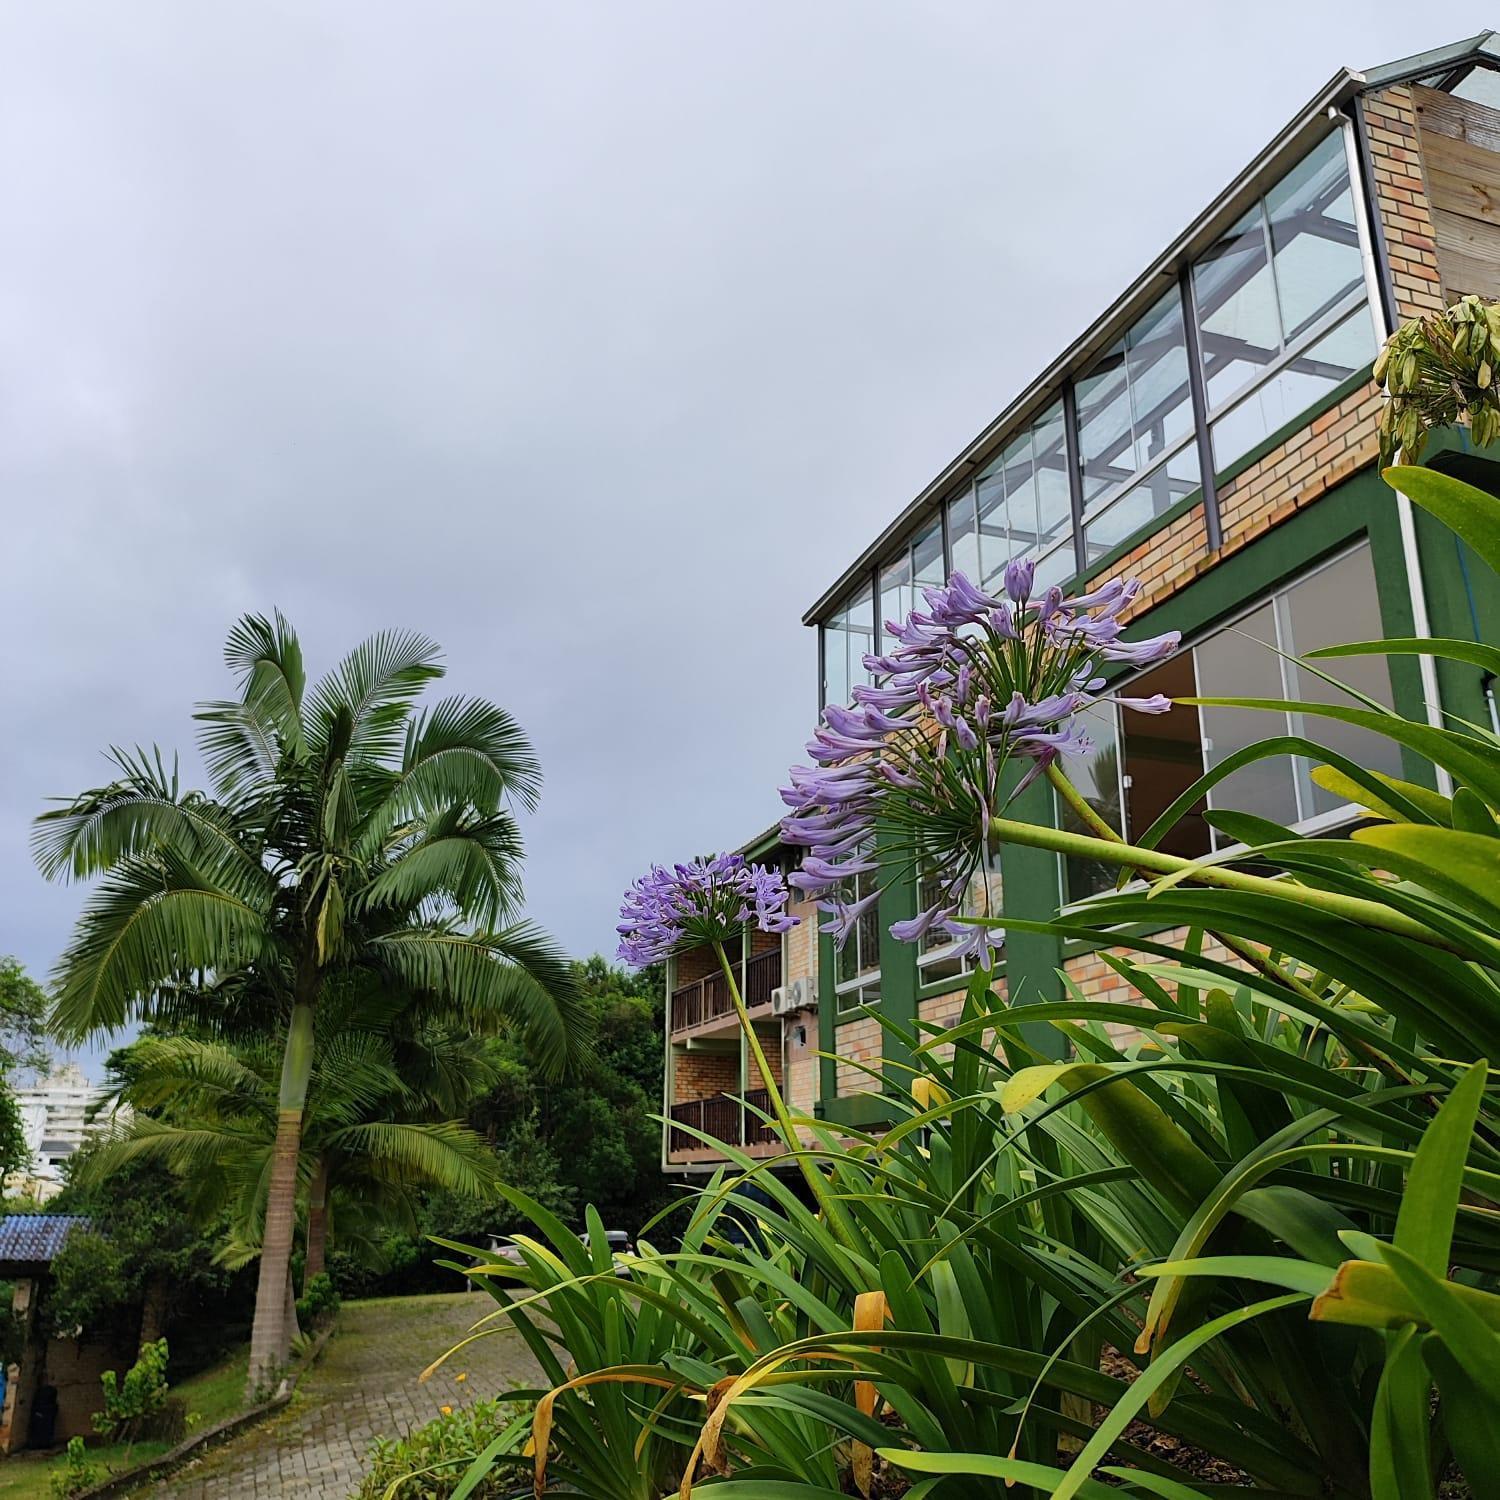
(619, 1244)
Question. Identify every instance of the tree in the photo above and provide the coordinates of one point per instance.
(207, 1110)
(349, 841)
(146, 1265)
(23, 1015)
(601, 1126)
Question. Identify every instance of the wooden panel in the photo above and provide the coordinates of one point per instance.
(1468, 254)
(1462, 177)
(1441, 114)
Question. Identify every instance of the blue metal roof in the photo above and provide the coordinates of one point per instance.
(34, 1239)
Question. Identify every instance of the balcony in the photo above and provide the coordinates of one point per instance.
(707, 999)
(723, 1118)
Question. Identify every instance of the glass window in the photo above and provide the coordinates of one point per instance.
(848, 637)
(1239, 329)
(895, 591)
(1163, 757)
(1315, 244)
(857, 963)
(1022, 498)
(1253, 658)
(963, 535)
(1136, 402)
(1297, 385)
(927, 556)
(935, 956)
(1338, 603)
(1049, 453)
(1097, 777)
(1152, 495)
(1275, 281)
(1242, 661)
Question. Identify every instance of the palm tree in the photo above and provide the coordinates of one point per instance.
(371, 1133)
(349, 842)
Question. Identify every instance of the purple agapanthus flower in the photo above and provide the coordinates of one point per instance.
(706, 901)
(968, 683)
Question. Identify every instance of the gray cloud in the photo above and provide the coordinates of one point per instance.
(592, 340)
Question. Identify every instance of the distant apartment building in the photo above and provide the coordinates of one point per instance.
(54, 1118)
(1214, 434)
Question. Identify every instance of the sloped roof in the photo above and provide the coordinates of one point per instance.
(34, 1239)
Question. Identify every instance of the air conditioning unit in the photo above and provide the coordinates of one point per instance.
(799, 994)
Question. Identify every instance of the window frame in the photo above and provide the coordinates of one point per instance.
(1315, 823)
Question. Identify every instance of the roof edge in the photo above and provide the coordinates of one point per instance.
(1337, 92)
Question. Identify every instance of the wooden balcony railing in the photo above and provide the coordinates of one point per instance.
(719, 1116)
(708, 998)
(723, 1119)
(757, 1131)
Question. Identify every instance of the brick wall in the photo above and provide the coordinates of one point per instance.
(701, 1075)
(1097, 981)
(863, 1041)
(1402, 198)
(696, 963)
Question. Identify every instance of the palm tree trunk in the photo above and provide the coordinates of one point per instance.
(292, 1330)
(270, 1336)
(317, 1225)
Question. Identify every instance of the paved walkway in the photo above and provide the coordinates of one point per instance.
(364, 1387)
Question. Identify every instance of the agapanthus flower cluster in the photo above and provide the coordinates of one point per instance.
(706, 901)
(921, 757)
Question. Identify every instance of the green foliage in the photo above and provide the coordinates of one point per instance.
(145, 1244)
(1253, 1216)
(77, 1475)
(430, 1462)
(319, 1301)
(134, 1404)
(1440, 371)
(352, 844)
(23, 1014)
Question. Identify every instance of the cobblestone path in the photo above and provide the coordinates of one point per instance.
(364, 1387)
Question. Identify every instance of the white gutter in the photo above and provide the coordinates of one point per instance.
(1405, 517)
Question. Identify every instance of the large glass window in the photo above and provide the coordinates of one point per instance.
(1136, 441)
(919, 565)
(936, 955)
(1280, 304)
(857, 963)
(1255, 657)
(1297, 385)
(1023, 506)
(848, 637)
(1097, 776)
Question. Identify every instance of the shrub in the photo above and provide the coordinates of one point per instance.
(137, 1406)
(319, 1301)
(1259, 1234)
(430, 1461)
(77, 1473)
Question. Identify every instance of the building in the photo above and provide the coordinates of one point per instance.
(1214, 434)
(54, 1116)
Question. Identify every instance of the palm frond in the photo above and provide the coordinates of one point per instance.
(188, 1074)
(514, 976)
(474, 864)
(446, 1154)
(374, 687)
(150, 923)
(267, 658)
(143, 809)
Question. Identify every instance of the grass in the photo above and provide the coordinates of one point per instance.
(214, 1394)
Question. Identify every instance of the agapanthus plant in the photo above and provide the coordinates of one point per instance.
(705, 901)
(910, 778)
(708, 902)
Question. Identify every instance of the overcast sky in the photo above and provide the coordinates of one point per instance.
(593, 341)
